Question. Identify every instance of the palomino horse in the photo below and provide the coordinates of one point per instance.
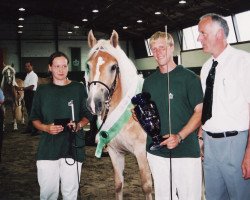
(112, 81)
(13, 98)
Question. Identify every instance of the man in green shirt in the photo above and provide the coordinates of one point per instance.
(179, 130)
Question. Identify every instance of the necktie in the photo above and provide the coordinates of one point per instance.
(208, 98)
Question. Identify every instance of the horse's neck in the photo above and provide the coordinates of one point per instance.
(116, 97)
(8, 87)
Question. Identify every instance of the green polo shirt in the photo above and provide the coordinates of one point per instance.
(50, 103)
(186, 92)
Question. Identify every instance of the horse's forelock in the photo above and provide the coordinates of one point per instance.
(127, 68)
(8, 67)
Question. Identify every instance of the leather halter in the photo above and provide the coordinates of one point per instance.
(113, 85)
(110, 90)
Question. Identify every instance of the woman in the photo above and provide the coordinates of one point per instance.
(59, 112)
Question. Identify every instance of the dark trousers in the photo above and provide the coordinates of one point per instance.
(1, 130)
(28, 98)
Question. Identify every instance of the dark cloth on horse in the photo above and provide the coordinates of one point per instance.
(1, 123)
(28, 98)
(1, 131)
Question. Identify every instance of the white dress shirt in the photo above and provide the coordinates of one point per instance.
(231, 94)
(31, 79)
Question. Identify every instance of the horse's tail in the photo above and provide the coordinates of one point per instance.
(18, 112)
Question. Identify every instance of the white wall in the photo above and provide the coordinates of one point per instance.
(197, 58)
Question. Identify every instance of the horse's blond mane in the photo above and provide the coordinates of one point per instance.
(14, 78)
(128, 70)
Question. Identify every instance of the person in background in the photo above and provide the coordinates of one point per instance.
(225, 81)
(59, 112)
(30, 85)
(1, 122)
(186, 105)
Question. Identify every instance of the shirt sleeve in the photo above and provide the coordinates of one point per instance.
(244, 76)
(34, 80)
(195, 94)
(36, 107)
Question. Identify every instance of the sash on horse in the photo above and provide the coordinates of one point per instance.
(112, 81)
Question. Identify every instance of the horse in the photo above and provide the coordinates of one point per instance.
(13, 97)
(111, 81)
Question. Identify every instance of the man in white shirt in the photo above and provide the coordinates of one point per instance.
(30, 85)
(226, 127)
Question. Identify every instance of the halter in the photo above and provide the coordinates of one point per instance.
(110, 94)
(113, 85)
(110, 90)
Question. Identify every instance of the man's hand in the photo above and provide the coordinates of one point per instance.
(134, 115)
(201, 144)
(246, 169)
(171, 141)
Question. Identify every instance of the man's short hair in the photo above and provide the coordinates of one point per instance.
(218, 19)
(160, 34)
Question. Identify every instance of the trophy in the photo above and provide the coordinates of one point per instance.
(148, 117)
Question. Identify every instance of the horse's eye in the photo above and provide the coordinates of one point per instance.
(113, 67)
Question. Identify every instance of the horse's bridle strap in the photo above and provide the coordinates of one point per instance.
(95, 82)
(113, 85)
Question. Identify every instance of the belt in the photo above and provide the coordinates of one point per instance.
(222, 134)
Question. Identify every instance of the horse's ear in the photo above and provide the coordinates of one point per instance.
(91, 39)
(114, 39)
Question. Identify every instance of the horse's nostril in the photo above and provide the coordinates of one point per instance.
(99, 104)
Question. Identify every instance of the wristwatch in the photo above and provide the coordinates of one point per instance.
(180, 138)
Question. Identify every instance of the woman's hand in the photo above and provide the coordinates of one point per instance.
(53, 129)
(75, 127)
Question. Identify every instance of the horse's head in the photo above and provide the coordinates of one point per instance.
(102, 72)
(8, 75)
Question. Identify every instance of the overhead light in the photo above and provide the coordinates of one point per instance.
(139, 21)
(85, 20)
(125, 27)
(21, 9)
(19, 32)
(157, 13)
(70, 32)
(20, 19)
(95, 10)
(20, 26)
(182, 1)
(76, 27)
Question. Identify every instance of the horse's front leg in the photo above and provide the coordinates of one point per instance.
(22, 110)
(118, 161)
(14, 118)
(145, 172)
(4, 120)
